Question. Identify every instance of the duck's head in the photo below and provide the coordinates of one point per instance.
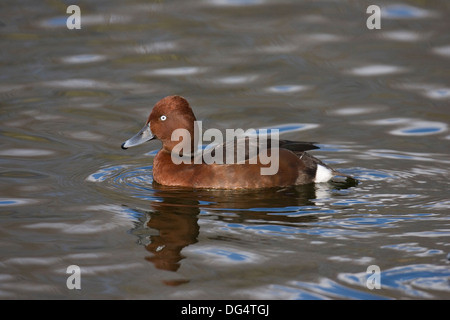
(168, 114)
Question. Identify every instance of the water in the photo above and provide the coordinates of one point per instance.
(377, 101)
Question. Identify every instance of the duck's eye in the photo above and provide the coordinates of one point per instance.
(163, 118)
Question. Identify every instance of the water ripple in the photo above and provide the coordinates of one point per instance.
(177, 71)
(236, 80)
(414, 248)
(306, 290)
(412, 127)
(403, 155)
(376, 70)
(286, 88)
(415, 280)
(402, 35)
(7, 202)
(236, 2)
(443, 50)
(83, 58)
(329, 288)
(18, 152)
(227, 255)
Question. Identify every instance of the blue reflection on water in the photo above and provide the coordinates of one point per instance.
(57, 21)
(364, 174)
(293, 293)
(270, 228)
(104, 173)
(230, 255)
(336, 290)
(225, 253)
(312, 229)
(7, 202)
(399, 11)
(402, 11)
(422, 130)
(134, 215)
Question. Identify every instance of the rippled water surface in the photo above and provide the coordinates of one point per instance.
(377, 102)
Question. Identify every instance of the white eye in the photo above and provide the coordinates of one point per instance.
(163, 118)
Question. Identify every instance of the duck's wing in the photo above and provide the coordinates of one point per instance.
(237, 151)
(242, 149)
(298, 147)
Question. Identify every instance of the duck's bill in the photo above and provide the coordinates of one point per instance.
(142, 136)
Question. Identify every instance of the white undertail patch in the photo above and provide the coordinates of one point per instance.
(323, 174)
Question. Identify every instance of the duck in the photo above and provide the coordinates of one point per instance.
(180, 163)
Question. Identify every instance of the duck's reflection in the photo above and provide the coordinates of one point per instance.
(176, 220)
(175, 215)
